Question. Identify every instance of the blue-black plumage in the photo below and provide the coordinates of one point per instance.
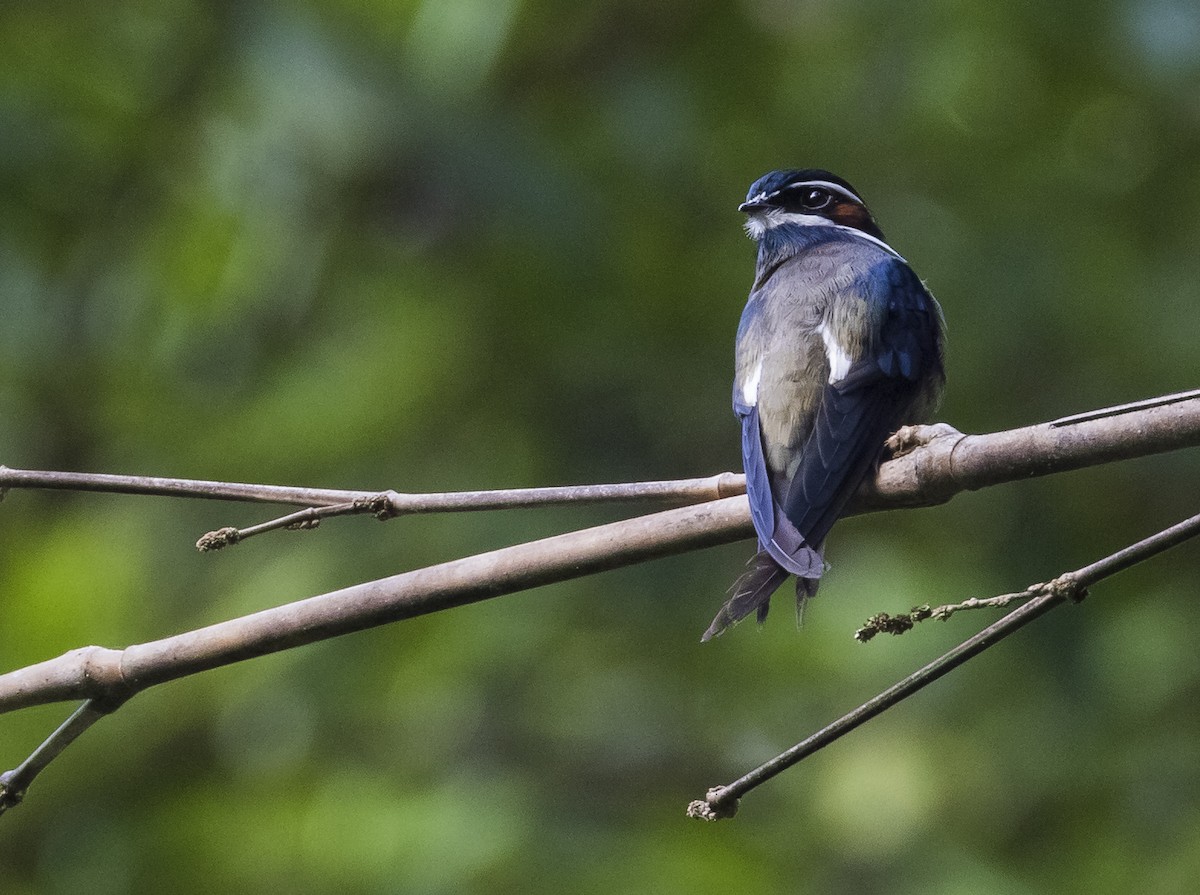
(840, 344)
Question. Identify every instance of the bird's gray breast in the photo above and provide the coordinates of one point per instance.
(784, 346)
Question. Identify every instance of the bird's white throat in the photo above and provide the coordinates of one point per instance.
(760, 222)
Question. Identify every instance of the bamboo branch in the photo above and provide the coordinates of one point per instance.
(722, 801)
(931, 465)
(947, 463)
(95, 672)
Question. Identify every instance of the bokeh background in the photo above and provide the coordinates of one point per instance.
(484, 243)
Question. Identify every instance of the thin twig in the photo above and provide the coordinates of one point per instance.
(722, 801)
(681, 491)
(1119, 409)
(884, 623)
(301, 520)
(11, 478)
(943, 463)
(15, 783)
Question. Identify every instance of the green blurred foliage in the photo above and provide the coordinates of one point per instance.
(466, 243)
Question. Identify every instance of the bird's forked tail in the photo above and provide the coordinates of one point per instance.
(752, 592)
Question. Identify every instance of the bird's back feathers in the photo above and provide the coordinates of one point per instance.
(840, 344)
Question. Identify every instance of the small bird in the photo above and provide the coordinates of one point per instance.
(840, 344)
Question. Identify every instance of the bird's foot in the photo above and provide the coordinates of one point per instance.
(908, 438)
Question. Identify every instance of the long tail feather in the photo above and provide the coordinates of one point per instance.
(751, 592)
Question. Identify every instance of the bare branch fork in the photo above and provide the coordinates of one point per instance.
(931, 465)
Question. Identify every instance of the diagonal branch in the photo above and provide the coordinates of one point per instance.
(95, 672)
(722, 801)
(14, 783)
(946, 462)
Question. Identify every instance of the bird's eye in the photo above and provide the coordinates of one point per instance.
(815, 198)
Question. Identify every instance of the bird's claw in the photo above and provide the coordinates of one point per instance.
(908, 438)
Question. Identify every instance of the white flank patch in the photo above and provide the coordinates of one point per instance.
(750, 389)
(839, 360)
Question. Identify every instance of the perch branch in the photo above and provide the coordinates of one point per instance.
(934, 464)
(722, 801)
(945, 462)
(11, 478)
(942, 463)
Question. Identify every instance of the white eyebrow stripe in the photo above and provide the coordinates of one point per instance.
(825, 184)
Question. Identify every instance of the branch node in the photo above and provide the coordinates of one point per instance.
(730, 484)
(1067, 587)
(107, 686)
(381, 505)
(215, 540)
(10, 797)
(714, 806)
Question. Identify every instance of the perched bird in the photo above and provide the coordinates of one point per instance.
(840, 344)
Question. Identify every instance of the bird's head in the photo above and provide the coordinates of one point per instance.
(809, 197)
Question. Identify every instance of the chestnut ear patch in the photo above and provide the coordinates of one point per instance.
(851, 214)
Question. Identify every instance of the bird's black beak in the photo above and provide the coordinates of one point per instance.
(755, 203)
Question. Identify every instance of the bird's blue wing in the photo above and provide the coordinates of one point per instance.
(777, 535)
(758, 482)
(860, 411)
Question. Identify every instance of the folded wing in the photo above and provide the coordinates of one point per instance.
(875, 397)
